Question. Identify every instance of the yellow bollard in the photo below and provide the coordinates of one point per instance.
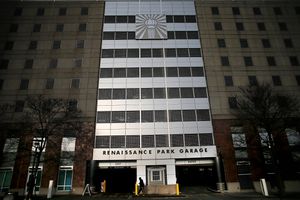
(136, 189)
(177, 189)
(104, 186)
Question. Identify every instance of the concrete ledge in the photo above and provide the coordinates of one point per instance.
(160, 189)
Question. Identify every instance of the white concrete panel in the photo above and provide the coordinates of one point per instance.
(108, 44)
(147, 104)
(104, 103)
(146, 62)
(116, 126)
(104, 108)
(196, 61)
(117, 131)
(132, 131)
(161, 125)
(147, 131)
(109, 27)
(158, 82)
(147, 126)
(121, 27)
(160, 104)
(121, 44)
(181, 43)
(176, 130)
(120, 62)
(134, 126)
(102, 126)
(172, 82)
(161, 131)
(132, 62)
(183, 61)
(100, 132)
(194, 44)
(146, 82)
(171, 62)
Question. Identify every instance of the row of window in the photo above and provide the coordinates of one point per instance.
(253, 80)
(151, 53)
(151, 72)
(152, 116)
(271, 61)
(60, 11)
(256, 11)
(33, 45)
(159, 140)
(29, 63)
(288, 43)
(49, 83)
(169, 19)
(37, 28)
(152, 93)
(131, 35)
(282, 26)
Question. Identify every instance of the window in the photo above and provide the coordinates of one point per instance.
(190, 18)
(72, 105)
(294, 61)
(186, 92)
(182, 52)
(221, 43)
(121, 35)
(158, 72)
(252, 80)
(78, 63)
(266, 43)
(239, 26)
(56, 44)
(5, 179)
(132, 53)
(236, 11)
(170, 52)
(173, 93)
(80, 44)
(161, 141)
(228, 80)
(298, 79)
(205, 139)
(160, 116)
(132, 116)
(40, 12)
(13, 28)
(225, 61)
(277, 11)
(9, 45)
(103, 117)
(28, 64)
(24, 84)
(276, 80)
(191, 140)
(1, 84)
(156, 53)
(102, 141)
(84, 11)
(108, 35)
(121, 19)
(177, 140)
(32, 45)
(147, 141)
(107, 53)
(131, 19)
(62, 11)
(175, 116)
(184, 72)
(288, 43)
(214, 10)
(119, 72)
(271, 61)
(145, 53)
(188, 115)
(49, 83)
(282, 26)
(36, 28)
(200, 92)
(195, 52)
(244, 43)
(169, 19)
(147, 116)
(261, 26)
(59, 27)
(53, 63)
(106, 73)
(18, 11)
(109, 19)
(218, 26)
(117, 141)
(192, 35)
(197, 71)
(82, 27)
(75, 83)
(203, 115)
(104, 93)
(180, 34)
(120, 53)
(64, 182)
(118, 94)
(248, 61)
(132, 141)
(232, 102)
(256, 11)
(118, 117)
(132, 72)
(19, 106)
(178, 18)
(146, 93)
(4, 64)
(159, 93)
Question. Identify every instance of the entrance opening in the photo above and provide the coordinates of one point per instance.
(118, 180)
(196, 176)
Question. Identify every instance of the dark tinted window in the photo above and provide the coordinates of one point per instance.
(218, 26)
(132, 53)
(261, 26)
(203, 115)
(170, 52)
(224, 61)
(28, 64)
(192, 35)
(256, 11)
(169, 19)
(288, 43)
(239, 26)
(248, 61)
(145, 53)
(276, 80)
(121, 35)
(190, 18)
(184, 71)
(84, 11)
(175, 115)
(158, 72)
(160, 116)
(232, 102)
(103, 117)
(266, 43)
(118, 93)
(132, 72)
(118, 117)
(13, 28)
(121, 19)
(40, 12)
(186, 92)
(195, 52)
(294, 61)
(277, 11)
(18, 11)
(133, 93)
(228, 80)
(178, 18)
(159, 93)
(146, 93)
(119, 72)
(109, 19)
(197, 71)
(146, 72)
(172, 72)
(214, 10)
(147, 116)
(271, 61)
(24, 84)
(36, 28)
(104, 93)
(252, 80)
(180, 34)
(200, 92)
(62, 11)
(106, 73)
(120, 53)
(244, 43)
(182, 52)
(221, 43)
(108, 35)
(132, 116)
(188, 115)
(82, 27)
(157, 53)
(236, 11)
(173, 93)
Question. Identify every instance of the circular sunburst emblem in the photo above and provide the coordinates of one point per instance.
(151, 26)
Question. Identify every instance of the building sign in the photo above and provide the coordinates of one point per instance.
(150, 26)
(155, 153)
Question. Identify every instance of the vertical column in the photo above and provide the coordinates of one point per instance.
(220, 183)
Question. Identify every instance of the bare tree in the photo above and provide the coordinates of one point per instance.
(46, 119)
(262, 107)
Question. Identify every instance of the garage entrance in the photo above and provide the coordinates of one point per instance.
(118, 180)
(196, 176)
